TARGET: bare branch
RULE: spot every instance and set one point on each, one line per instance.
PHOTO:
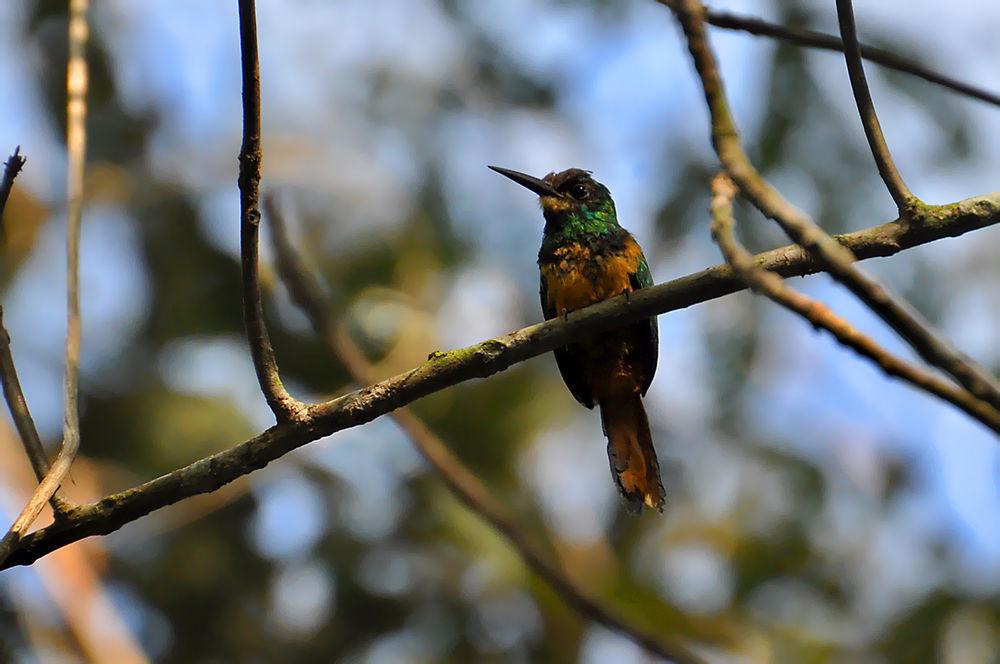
(905, 200)
(821, 317)
(12, 392)
(18, 407)
(837, 259)
(13, 395)
(820, 40)
(282, 404)
(462, 482)
(11, 168)
(76, 148)
(489, 357)
(77, 82)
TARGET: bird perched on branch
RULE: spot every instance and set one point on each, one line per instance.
(587, 257)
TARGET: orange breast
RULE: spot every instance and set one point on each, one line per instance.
(578, 277)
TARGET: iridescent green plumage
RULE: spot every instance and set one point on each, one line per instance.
(586, 257)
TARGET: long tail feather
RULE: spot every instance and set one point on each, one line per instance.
(631, 453)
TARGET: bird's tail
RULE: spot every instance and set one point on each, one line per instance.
(630, 450)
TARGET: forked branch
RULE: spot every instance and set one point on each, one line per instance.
(282, 404)
(900, 193)
(77, 84)
(821, 317)
(13, 395)
(837, 259)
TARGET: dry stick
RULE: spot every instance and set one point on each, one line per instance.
(905, 200)
(282, 404)
(13, 395)
(11, 168)
(77, 81)
(772, 286)
(463, 483)
(484, 359)
(12, 392)
(837, 259)
(18, 407)
(820, 40)
(76, 147)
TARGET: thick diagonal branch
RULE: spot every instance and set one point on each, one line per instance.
(837, 259)
(479, 361)
(462, 482)
(282, 404)
(821, 317)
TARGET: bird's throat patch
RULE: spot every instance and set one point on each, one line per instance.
(557, 205)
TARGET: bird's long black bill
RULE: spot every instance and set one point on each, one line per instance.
(540, 187)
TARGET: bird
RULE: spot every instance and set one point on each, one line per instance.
(586, 257)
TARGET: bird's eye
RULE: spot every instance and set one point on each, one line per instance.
(579, 192)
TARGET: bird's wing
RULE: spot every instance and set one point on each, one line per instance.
(569, 359)
(645, 333)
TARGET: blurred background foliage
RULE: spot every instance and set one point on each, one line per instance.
(816, 510)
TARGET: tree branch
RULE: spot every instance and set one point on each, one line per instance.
(445, 369)
(282, 404)
(18, 407)
(820, 40)
(77, 83)
(76, 148)
(12, 392)
(463, 483)
(11, 168)
(901, 194)
(13, 395)
(821, 317)
(837, 259)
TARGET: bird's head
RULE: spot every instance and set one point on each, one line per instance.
(572, 201)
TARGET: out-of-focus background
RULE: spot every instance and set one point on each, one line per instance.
(816, 510)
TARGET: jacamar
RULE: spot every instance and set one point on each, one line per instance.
(587, 257)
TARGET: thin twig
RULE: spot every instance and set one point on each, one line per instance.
(484, 359)
(76, 147)
(837, 259)
(77, 82)
(822, 317)
(820, 40)
(11, 168)
(463, 483)
(18, 407)
(905, 200)
(282, 404)
(13, 395)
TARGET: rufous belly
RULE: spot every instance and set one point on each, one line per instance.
(580, 279)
